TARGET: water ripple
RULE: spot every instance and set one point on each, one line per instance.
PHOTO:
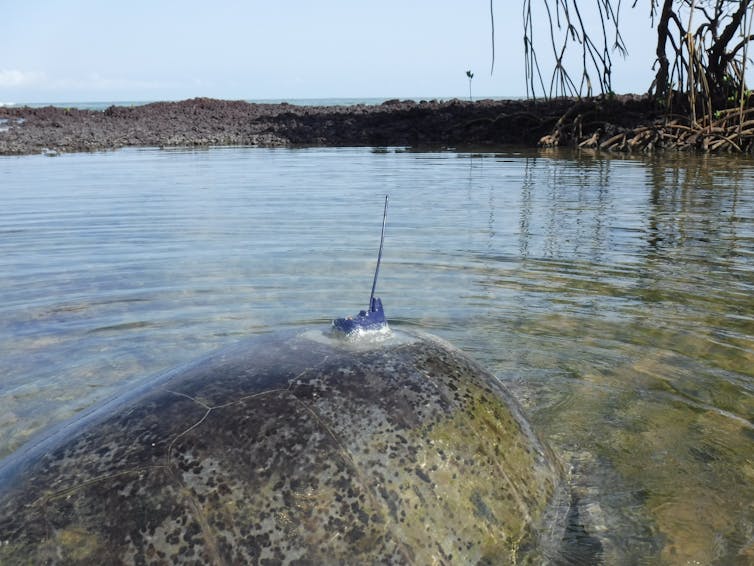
(614, 297)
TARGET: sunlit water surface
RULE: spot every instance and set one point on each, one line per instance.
(614, 297)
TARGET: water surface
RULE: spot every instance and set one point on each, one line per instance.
(614, 297)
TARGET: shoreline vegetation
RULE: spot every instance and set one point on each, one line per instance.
(619, 123)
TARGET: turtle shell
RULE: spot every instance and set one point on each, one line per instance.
(289, 448)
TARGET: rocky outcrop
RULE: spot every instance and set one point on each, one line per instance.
(210, 122)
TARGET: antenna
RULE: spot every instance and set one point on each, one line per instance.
(379, 254)
(372, 319)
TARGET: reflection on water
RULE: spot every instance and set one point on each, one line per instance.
(613, 296)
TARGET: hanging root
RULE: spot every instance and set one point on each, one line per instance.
(609, 128)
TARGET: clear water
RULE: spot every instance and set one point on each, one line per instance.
(614, 297)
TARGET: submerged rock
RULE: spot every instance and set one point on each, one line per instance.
(291, 447)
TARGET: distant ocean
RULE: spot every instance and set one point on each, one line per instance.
(102, 105)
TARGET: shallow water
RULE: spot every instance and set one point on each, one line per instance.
(614, 297)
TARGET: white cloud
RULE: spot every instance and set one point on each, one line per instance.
(10, 78)
(96, 83)
(13, 78)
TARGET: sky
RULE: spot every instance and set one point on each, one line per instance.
(111, 50)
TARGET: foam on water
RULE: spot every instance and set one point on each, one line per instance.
(360, 340)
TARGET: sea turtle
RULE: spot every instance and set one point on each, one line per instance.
(294, 447)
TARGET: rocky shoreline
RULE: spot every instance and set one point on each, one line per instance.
(211, 122)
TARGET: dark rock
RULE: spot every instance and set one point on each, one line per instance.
(206, 121)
